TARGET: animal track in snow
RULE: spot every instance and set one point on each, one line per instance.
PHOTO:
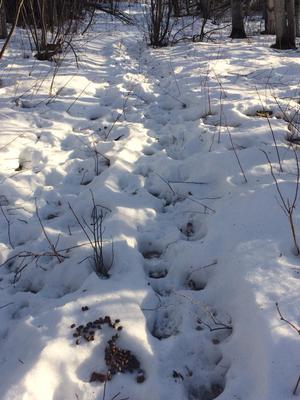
(196, 280)
(149, 150)
(204, 392)
(82, 172)
(197, 365)
(30, 158)
(151, 249)
(194, 228)
(158, 273)
(166, 320)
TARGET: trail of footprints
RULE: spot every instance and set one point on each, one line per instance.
(188, 332)
(195, 329)
(192, 329)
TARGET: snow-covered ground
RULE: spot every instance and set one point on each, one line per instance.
(169, 143)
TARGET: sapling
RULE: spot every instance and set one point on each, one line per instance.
(288, 206)
(94, 233)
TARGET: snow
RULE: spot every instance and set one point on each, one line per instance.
(152, 135)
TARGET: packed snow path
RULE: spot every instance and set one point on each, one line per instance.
(200, 250)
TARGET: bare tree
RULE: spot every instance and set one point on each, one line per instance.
(50, 23)
(159, 28)
(238, 29)
(19, 8)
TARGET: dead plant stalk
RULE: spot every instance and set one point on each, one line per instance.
(288, 206)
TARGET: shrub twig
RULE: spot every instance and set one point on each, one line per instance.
(288, 206)
(94, 234)
(295, 328)
(59, 257)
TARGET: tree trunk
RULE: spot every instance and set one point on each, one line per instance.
(270, 18)
(282, 33)
(290, 10)
(3, 27)
(238, 30)
(297, 17)
(176, 8)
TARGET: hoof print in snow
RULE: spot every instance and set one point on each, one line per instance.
(203, 393)
(166, 324)
(140, 378)
(192, 229)
(236, 147)
(94, 117)
(27, 104)
(158, 273)
(221, 334)
(188, 230)
(150, 250)
(151, 254)
(19, 168)
(51, 216)
(85, 183)
(217, 329)
(264, 113)
(149, 151)
(199, 327)
(195, 284)
(3, 201)
(177, 375)
(293, 136)
(196, 280)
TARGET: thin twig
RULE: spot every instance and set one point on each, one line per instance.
(271, 130)
(8, 226)
(52, 246)
(6, 305)
(282, 318)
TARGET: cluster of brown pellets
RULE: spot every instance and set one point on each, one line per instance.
(88, 331)
(120, 360)
(116, 359)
